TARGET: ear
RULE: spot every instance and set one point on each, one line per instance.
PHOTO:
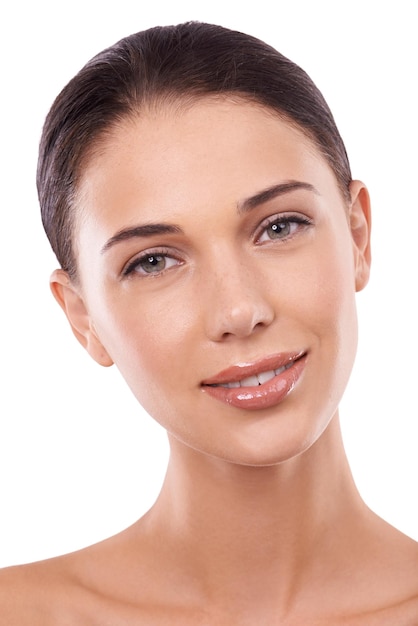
(70, 300)
(360, 226)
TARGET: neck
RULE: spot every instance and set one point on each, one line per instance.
(245, 526)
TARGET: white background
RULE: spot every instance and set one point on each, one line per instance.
(79, 459)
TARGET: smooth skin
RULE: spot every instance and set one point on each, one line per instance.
(253, 252)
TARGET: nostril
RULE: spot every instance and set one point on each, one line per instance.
(241, 321)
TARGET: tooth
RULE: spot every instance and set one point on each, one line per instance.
(258, 379)
(251, 381)
(264, 377)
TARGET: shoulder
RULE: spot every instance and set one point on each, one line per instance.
(15, 587)
(40, 594)
(21, 592)
(396, 579)
(83, 587)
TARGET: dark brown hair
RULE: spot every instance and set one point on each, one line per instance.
(164, 64)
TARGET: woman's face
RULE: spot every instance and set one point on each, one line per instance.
(215, 253)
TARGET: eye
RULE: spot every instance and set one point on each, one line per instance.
(283, 227)
(150, 264)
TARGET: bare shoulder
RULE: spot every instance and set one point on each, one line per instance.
(394, 581)
(62, 591)
(38, 594)
(90, 586)
(15, 587)
(121, 582)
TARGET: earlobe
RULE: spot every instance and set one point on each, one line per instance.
(68, 297)
(360, 226)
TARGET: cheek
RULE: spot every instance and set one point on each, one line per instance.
(151, 340)
(330, 275)
(319, 307)
(320, 283)
(333, 298)
(333, 312)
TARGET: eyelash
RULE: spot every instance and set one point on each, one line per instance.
(156, 255)
(135, 264)
(282, 220)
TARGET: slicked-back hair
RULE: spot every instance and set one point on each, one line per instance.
(165, 64)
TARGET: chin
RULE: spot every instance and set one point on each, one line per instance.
(259, 446)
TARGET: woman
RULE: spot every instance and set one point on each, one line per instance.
(199, 199)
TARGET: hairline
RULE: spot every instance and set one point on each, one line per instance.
(178, 104)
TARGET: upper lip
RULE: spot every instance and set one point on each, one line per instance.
(235, 373)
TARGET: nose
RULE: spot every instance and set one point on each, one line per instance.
(238, 304)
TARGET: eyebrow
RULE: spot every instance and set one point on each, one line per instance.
(150, 230)
(273, 192)
(147, 230)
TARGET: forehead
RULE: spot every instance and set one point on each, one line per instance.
(210, 152)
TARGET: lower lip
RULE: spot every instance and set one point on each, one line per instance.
(263, 396)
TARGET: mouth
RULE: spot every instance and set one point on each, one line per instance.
(260, 384)
(256, 379)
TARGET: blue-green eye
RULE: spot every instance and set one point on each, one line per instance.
(150, 264)
(282, 228)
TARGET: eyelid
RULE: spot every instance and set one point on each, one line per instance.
(129, 268)
(295, 217)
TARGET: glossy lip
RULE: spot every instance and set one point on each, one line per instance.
(262, 396)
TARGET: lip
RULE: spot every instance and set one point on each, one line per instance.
(261, 396)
